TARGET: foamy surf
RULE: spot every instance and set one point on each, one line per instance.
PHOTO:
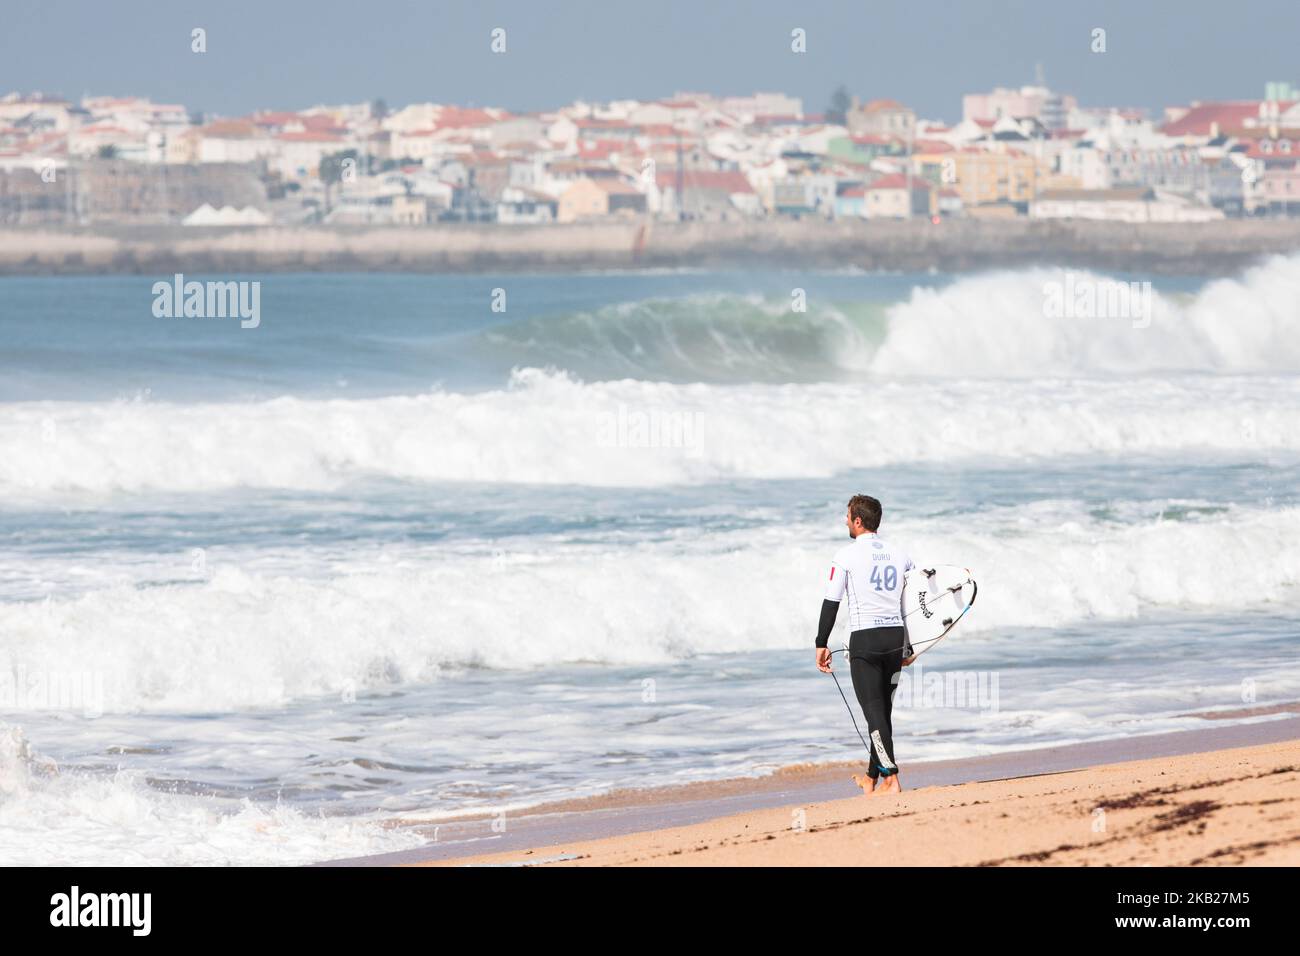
(240, 638)
(55, 816)
(548, 428)
(1007, 325)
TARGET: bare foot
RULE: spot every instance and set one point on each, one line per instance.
(867, 784)
(890, 784)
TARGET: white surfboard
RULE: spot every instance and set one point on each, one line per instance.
(935, 598)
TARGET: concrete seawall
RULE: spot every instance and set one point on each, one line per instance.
(953, 246)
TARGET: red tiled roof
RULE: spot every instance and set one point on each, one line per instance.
(230, 128)
(1198, 120)
(898, 181)
(309, 136)
(455, 117)
(1281, 148)
(877, 106)
(320, 123)
(599, 149)
(730, 181)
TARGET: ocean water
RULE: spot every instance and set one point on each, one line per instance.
(422, 546)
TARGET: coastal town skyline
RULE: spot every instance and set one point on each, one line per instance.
(1027, 151)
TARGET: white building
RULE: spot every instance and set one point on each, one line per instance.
(233, 141)
(300, 154)
(1120, 205)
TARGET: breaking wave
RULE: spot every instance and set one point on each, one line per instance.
(1002, 324)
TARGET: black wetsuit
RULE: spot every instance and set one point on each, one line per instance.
(875, 661)
(876, 656)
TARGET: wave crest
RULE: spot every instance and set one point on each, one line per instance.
(995, 325)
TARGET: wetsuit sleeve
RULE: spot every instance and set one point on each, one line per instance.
(831, 604)
(827, 622)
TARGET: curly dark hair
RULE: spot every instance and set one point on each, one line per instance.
(866, 509)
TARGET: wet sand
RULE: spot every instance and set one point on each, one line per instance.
(1227, 807)
(1222, 794)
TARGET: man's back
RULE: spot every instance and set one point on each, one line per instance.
(869, 571)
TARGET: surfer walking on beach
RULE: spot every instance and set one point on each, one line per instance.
(867, 575)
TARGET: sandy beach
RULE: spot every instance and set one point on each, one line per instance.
(1227, 807)
(1182, 806)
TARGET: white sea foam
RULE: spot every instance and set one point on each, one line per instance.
(547, 428)
(1001, 325)
(247, 639)
(51, 816)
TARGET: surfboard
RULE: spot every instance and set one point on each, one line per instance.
(935, 598)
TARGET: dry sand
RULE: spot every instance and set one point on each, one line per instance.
(1225, 807)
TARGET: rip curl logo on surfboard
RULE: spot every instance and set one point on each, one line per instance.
(920, 599)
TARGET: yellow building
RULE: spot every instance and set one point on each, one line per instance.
(410, 210)
(982, 177)
(582, 200)
(587, 198)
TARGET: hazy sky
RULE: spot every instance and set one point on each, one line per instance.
(291, 54)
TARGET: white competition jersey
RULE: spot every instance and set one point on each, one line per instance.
(870, 571)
